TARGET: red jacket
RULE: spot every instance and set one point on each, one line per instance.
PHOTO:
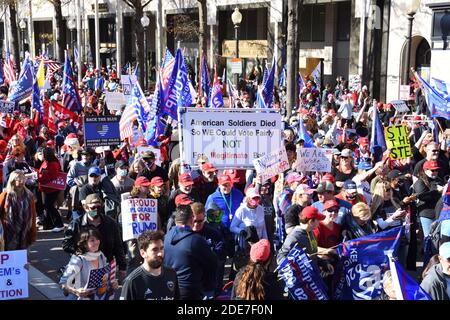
(48, 172)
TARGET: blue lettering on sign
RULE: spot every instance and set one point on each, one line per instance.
(9, 271)
(139, 227)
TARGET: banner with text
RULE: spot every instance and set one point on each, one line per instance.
(115, 100)
(314, 159)
(230, 139)
(101, 131)
(13, 275)
(398, 142)
(272, 164)
(138, 215)
(8, 107)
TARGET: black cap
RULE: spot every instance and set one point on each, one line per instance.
(120, 164)
(394, 174)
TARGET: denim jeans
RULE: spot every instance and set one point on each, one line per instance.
(426, 225)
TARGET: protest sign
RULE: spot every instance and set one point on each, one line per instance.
(272, 164)
(99, 283)
(157, 152)
(13, 275)
(7, 107)
(302, 278)
(115, 100)
(229, 138)
(127, 84)
(138, 215)
(398, 142)
(59, 183)
(101, 131)
(363, 263)
(314, 159)
(400, 106)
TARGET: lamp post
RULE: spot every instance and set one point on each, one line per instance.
(22, 26)
(236, 17)
(71, 25)
(413, 7)
(145, 21)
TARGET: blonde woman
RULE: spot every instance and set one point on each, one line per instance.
(17, 213)
(137, 166)
(358, 223)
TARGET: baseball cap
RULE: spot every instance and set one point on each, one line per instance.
(394, 174)
(350, 185)
(336, 152)
(225, 179)
(157, 181)
(328, 177)
(185, 179)
(325, 186)
(148, 155)
(141, 182)
(363, 141)
(260, 251)
(364, 165)
(312, 213)
(293, 177)
(346, 153)
(93, 198)
(208, 167)
(252, 193)
(304, 189)
(183, 200)
(431, 165)
(330, 204)
(319, 136)
(444, 250)
(120, 164)
(94, 171)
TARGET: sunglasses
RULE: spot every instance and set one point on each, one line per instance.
(434, 170)
(344, 157)
(333, 210)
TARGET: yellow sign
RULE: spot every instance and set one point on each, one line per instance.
(398, 142)
(247, 48)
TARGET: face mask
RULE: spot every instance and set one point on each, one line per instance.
(93, 213)
(122, 172)
(351, 197)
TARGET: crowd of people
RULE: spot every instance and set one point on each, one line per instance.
(209, 219)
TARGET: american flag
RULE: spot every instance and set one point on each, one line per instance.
(71, 100)
(96, 277)
(10, 74)
(112, 273)
(51, 65)
(126, 122)
(167, 68)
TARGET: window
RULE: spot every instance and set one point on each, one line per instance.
(312, 23)
(441, 24)
(344, 15)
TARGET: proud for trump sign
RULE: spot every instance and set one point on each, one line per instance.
(138, 215)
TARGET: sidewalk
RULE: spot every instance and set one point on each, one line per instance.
(42, 287)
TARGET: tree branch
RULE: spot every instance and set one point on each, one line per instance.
(146, 4)
(130, 4)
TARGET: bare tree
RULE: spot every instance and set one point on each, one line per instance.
(14, 35)
(291, 56)
(139, 32)
(202, 26)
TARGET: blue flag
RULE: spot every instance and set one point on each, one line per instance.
(265, 91)
(302, 134)
(300, 83)
(302, 278)
(435, 131)
(406, 288)
(377, 141)
(136, 71)
(216, 99)
(141, 105)
(441, 86)
(438, 105)
(363, 263)
(2, 76)
(282, 78)
(36, 100)
(205, 83)
(125, 68)
(71, 100)
(24, 85)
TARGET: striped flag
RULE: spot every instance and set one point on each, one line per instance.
(216, 99)
(265, 91)
(10, 73)
(2, 77)
(233, 94)
(317, 75)
(71, 100)
(141, 105)
(166, 68)
(205, 82)
(126, 122)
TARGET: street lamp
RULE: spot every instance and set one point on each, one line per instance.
(236, 17)
(412, 8)
(71, 25)
(22, 26)
(145, 21)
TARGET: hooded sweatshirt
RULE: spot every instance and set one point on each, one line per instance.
(190, 256)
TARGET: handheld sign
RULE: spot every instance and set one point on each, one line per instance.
(398, 142)
(13, 275)
(314, 159)
(115, 100)
(7, 107)
(59, 183)
(157, 152)
(138, 215)
(101, 131)
(272, 164)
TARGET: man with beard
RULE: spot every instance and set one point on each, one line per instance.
(206, 183)
(151, 280)
(185, 186)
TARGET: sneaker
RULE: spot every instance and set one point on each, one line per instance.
(56, 229)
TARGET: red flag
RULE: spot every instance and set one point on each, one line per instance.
(60, 112)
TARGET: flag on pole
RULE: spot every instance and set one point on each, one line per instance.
(76, 55)
(10, 73)
(405, 287)
(40, 75)
(438, 105)
(127, 118)
(216, 99)
(140, 105)
(317, 75)
(224, 79)
(265, 92)
(167, 68)
(377, 141)
(2, 76)
(205, 82)
(282, 78)
(233, 94)
(300, 83)
(24, 85)
(302, 134)
(71, 100)
(36, 100)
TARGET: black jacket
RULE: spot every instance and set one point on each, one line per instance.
(435, 283)
(106, 191)
(111, 243)
(428, 197)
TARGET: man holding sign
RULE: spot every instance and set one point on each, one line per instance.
(398, 142)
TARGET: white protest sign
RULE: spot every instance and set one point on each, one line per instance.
(272, 164)
(13, 275)
(138, 215)
(404, 92)
(400, 106)
(314, 159)
(115, 100)
(236, 65)
(7, 107)
(157, 152)
(229, 139)
(127, 84)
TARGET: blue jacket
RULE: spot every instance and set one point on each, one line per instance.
(218, 199)
(190, 255)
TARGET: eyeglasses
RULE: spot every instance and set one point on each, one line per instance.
(333, 210)
(435, 151)
(434, 170)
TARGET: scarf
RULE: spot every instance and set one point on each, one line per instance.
(92, 256)
(18, 222)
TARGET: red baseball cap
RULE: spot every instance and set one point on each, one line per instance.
(142, 182)
(183, 200)
(431, 165)
(363, 141)
(225, 179)
(208, 167)
(185, 179)
(312, 213)
(330, 204)
(61, 124)
(328, 177)
(157, 181)
(141, 143)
